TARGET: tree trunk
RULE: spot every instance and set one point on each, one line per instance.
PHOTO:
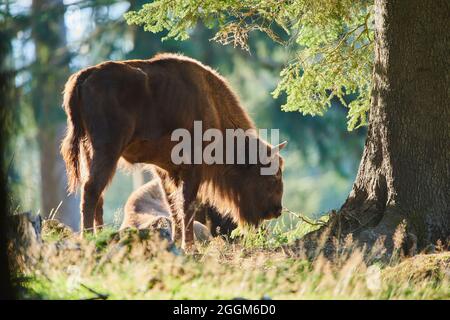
(404, 174)
(7, 290)
(50, 73)
(54, 180)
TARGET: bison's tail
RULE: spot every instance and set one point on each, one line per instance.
(70, 147)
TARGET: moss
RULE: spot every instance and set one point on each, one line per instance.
(105, 238)
(420, 267)
(53, 230)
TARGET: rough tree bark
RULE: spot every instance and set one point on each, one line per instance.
(404, 174)
(50, 73)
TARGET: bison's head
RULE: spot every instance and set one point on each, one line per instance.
(249, 192)
(260, 188)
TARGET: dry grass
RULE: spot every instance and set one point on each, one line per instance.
(139, 265)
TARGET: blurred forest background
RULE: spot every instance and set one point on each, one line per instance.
(44, 41)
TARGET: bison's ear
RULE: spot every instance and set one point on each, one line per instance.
(279, 147)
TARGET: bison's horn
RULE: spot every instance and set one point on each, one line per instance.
(279, 147)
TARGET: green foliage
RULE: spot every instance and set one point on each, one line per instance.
(271, 234)
(331, 43)
(103, 238)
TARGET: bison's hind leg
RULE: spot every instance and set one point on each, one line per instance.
(100, 169)
(177, 227)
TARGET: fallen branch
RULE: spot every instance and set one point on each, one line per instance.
(98, 295)
(304, 219)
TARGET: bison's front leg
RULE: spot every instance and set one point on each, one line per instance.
(188, 239)
(190, 189)
(98, 218)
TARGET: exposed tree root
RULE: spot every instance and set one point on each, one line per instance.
(367, 227)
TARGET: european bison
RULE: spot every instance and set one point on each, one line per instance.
(148, 203)
(129, 110)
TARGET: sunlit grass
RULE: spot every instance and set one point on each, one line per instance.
(256, 264)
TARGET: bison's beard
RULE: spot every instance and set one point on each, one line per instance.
(231, 199)
(249, 212)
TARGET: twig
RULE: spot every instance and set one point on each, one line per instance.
(304, 219)
(98, 295)
(53, 212)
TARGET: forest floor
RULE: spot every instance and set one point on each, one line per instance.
(263, 264)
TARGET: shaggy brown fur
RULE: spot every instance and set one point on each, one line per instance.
(129, 109)
(147, 204)
(205, 213)
(216, 223)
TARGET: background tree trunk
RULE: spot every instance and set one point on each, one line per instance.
(7, 290)
(50, 72)
(404, 173)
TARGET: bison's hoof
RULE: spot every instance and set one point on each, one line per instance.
(86, 233)
(189, 248)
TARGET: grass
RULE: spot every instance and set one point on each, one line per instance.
(263, 263)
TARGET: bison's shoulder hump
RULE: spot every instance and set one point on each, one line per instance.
(176, 58)
(114, 73)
